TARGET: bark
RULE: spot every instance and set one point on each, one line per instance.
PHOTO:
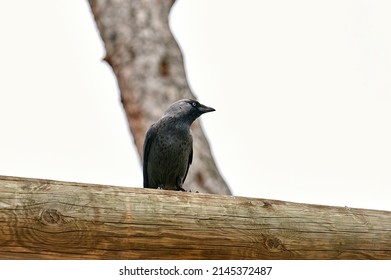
(149, 68)
(42, 219)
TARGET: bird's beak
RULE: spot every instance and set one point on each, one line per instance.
(205, 109)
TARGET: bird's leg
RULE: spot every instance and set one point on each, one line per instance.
(179, 188)
(179, 184)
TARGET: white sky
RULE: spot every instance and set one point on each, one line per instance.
(302, 91)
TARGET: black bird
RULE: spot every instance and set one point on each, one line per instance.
(168, 146)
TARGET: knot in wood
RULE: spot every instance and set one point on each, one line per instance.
(51, 216)
(164, 67)
(274, 244)
(267, 204)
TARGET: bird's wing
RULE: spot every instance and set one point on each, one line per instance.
(188, 163)
(149, 138)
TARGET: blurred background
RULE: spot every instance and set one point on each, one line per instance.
(302, 91)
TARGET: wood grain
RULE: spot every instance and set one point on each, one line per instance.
(43, 219)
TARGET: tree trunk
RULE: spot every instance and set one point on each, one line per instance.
(43, 219)
(149, 68)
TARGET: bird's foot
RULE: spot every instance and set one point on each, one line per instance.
(181, 189)
(192, 191)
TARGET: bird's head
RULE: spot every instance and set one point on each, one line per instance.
(188, 110)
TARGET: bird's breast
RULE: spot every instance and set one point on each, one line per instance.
(169, 155)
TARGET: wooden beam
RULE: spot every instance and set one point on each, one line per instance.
(44, 219)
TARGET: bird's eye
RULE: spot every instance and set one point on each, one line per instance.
(194, 104)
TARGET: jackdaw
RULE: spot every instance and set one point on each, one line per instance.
(168, 146)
